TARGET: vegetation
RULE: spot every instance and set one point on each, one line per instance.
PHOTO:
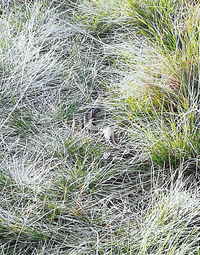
(100, 127)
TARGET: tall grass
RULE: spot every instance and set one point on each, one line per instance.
(172, 27)
(101, 16)
(99, 128)
(159, 20)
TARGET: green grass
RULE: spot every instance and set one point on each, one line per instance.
(174, 27)
(125, 181)
(100, 17)
(158, 20)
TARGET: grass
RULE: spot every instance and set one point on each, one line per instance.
(180, 95)
(158, 20)
(99, 122)
(101, 16)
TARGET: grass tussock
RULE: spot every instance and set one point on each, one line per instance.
(101, 16)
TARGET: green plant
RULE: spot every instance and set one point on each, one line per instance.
(184, 61)
(65, 188)
(21, 121)
(102, 15)
(173, 27)
(158, 20)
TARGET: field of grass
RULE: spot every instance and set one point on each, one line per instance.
(99, 127)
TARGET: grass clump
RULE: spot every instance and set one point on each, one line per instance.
(100, 16)
(168, 225)
(158, 20)
(174, 142)
(173, 27)
(160, 96)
